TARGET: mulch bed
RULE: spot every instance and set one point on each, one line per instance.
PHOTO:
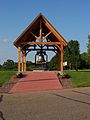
(5, 88)
(65, 82)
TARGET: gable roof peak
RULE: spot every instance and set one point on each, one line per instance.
(40, 15)
(35, 23)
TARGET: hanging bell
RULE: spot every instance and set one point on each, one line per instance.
(40, 58)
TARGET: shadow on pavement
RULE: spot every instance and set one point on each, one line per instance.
(70, 99)
(80, 92)
(46, 79)
(1, 97)
(1, 116)
(1, 113)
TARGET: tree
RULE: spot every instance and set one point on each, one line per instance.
(88, 50)
(29, 65)
(72, 54)
(83, 61)
(9, 64)
(67, 53)
(15, 65)
(53, 62)
(0, 67)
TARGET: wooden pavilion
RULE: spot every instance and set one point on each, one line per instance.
(42, 34)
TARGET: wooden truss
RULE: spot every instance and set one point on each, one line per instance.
(42, 34)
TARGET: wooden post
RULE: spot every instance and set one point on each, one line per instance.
(22, 61)
(61, 58)
(19, 51)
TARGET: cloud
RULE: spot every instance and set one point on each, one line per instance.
(5, 40)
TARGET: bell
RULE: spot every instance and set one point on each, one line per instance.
(40, 58)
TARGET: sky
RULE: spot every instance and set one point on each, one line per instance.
(71, 18)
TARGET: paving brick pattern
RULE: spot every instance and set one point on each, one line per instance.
(37, 81)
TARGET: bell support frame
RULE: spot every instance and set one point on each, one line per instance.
(42, 34)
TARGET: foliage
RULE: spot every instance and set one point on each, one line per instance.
(83, 61)
(54, 63)
(29, 65)
(0, 67)
(9, 64)
(79, 78)
(88, 50)
(72, 54)
(15, 66)
(73, 57)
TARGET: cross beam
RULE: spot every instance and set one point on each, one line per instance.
(46, 43)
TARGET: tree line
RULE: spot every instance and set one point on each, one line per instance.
(11, 65)
(75, 60)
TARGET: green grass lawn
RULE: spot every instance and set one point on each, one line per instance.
(80, 78)
(6, 75)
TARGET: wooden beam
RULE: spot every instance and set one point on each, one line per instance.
(42, 43)
(22, 61)
(58, 36)
(59, 48)
(60, 59)
(34, 23)
(19, 57)
(47, 35)
(40, 30)
(34, 35)
(24, 58)
(40, 49)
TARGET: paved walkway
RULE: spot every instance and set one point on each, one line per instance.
(37, 81)
(65, 104)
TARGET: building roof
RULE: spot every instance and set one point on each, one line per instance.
(34, 28)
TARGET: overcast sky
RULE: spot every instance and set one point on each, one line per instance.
(70, 17)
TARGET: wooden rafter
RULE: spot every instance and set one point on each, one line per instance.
(40, 30)
(47, 35)
(40, 19)
(34, 35)
(55, 33)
